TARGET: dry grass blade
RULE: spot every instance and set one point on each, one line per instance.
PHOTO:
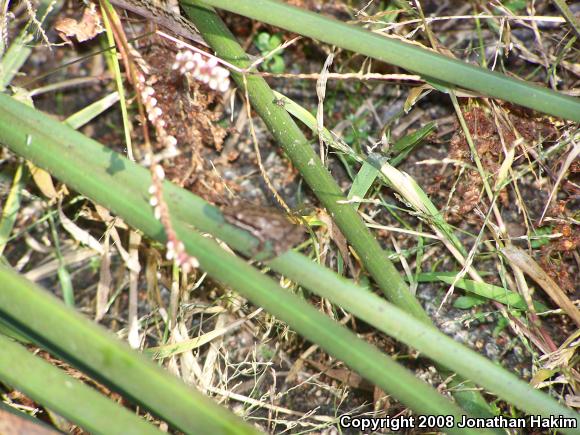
(523, 261)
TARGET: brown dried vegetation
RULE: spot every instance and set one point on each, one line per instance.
(491, 137)
(191, 111)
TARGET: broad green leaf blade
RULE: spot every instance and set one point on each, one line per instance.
(403, 147)
(90, 112)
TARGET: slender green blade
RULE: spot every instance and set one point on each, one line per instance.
(11, 206)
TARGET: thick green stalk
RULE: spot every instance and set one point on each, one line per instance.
(49, 323)
(427, 63)
(122, 186)
(298, 149)
(447, 352)
(291, 139)
(42, 316)
(60, 392)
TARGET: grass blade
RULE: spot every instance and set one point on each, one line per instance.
(44, 319)
(123, 186)
(427, 63)
(56, 390)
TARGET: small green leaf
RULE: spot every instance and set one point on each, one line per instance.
(276, 64)
(262, 41)
(481, 289)
(467, 302)
(274, 42)
(502, 324)
(538, 242)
